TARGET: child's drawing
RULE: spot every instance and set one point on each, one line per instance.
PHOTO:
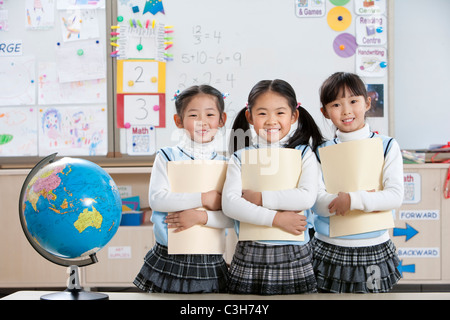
(81, 131)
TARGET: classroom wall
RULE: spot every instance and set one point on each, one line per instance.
(422, 73)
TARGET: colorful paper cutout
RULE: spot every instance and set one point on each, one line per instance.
(153, 6)
(339, 18)
(345, 45)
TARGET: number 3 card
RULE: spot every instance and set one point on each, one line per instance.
(141, 109)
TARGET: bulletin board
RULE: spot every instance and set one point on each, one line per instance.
(171, 45)
(53, 75)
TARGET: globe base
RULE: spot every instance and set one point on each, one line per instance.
(75, 294)
(74, 290)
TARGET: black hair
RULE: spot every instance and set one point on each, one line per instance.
(307, 133)
(334, 87)
(183, 99)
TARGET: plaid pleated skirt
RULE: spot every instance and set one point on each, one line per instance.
(262, 269)
(182, 273)
(370, 269)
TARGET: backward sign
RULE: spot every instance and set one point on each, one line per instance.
(418, 252)
(10, 48)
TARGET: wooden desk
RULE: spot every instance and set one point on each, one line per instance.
(35, 295)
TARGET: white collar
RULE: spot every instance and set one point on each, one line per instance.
(262, 143)
(199, 151)
(360, 134)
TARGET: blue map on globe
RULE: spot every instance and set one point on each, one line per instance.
(72, 208)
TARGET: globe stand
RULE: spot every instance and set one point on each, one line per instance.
(74, 290)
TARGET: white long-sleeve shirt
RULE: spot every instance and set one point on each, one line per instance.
(391, 197)
(162, 200)
(299, 199)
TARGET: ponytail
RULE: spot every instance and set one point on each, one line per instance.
(240, 133)
(307, 132)
(307, 129)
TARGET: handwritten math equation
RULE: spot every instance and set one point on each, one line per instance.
(208, 50)
(186, 80)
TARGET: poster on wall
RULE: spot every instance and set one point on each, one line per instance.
(371, 62)
(73, 131)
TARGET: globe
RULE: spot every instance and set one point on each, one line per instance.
(69, 210)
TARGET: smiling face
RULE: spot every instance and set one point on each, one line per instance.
(347, 111)
(201, 118)
(271, 116)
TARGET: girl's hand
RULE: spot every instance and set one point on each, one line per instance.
(183, 220)
(290, 221)
(252, 196)
(340, 205)
(212, 200)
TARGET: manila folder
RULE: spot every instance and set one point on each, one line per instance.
(269, 169)
(352, 166)
(197, 176)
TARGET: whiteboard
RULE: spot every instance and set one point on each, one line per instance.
(233, 44)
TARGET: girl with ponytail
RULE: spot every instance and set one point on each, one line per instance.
(273, 267)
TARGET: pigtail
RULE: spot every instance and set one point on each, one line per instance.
(240, 134)
(307, 132)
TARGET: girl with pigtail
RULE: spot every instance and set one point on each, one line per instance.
(273, 267)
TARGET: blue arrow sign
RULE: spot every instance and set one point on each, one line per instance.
(409, 232)
(411, 268)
